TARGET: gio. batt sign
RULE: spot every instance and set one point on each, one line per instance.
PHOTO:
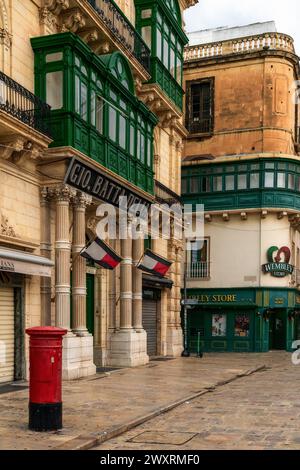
(278, 262)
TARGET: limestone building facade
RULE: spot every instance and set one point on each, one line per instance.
(241, 160)
(88, 89)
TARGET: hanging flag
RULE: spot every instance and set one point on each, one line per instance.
(99, 252)
(154, 264)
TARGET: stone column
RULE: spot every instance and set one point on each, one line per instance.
(62, 195)
(126, 281)
(112, 295)
(137, 284)
(80, 203)
(128, 347)
(46, 252)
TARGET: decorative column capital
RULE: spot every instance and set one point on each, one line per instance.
(62, 192)
(82, 200)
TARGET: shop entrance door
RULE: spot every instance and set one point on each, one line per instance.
(277, 330)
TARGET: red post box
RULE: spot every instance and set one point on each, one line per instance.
(45, 383)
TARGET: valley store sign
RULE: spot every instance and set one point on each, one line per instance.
(278, 262)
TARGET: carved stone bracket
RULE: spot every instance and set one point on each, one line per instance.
(9, 146)
(47, 19)
(73, 20)
(101, 48)
(29, 151)
(56, 6)
(89, 35)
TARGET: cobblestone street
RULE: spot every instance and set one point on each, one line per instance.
(261, 411)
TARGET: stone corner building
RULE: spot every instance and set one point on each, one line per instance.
(241, 160)
(111, 75)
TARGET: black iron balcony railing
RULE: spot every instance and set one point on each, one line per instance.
(24, 105)
(164, 195)
(123, 30)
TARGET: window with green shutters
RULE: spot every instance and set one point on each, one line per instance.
(94, 107)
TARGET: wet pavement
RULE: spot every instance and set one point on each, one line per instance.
(261, 409)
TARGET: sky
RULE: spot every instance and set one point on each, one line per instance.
(214, 13)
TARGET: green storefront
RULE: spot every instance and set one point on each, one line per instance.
(242, 320)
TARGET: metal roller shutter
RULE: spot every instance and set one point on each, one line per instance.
(150, 325)
(7, 341)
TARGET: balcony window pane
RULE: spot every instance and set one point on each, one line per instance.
(172, 62)
(83, 101)
(158, 44)
(179, 70)
(93, 108)
(229, 183)
(149, 155)
(77, 94)
(146, 13)
(280, 180)
(194, 184)
(242, 181)
(255, 166)
(146, 35)
(269, 180)
(184, 186)
(143, 148)
(217, 183)
(229, 169)
(242, 168)
(205, 184)
(270, 166)
(291, 181)
(122, 132)
(166, 53)
(139, 145)
(54, 57)
(254, 180)
(112, 123)
(99, 114)
(132, 140)
(54, 89)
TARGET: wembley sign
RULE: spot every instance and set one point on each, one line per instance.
(278, 262)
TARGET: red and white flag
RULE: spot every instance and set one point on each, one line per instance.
(154, 264)
(99, 252)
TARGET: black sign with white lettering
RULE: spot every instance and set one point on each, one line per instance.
(91, 181)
